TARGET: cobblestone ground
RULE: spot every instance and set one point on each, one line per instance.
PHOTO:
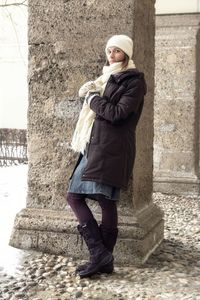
(171, 273)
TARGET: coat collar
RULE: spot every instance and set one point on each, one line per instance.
(118, 77)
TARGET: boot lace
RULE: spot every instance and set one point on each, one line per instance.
(78, 238)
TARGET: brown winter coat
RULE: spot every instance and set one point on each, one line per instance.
(111, 151)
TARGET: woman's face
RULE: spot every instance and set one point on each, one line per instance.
(115, 54)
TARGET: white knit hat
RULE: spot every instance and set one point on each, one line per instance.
(123, 42)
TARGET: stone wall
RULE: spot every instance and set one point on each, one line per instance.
(177, 78)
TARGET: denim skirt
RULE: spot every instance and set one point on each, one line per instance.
(91, 188)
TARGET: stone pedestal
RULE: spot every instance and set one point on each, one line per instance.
(177, 77)
(66, 48)
(55, 232)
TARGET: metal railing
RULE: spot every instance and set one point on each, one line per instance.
(13, 146)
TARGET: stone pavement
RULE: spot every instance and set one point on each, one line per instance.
(171, 273)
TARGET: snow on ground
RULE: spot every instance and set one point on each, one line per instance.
(13, 188)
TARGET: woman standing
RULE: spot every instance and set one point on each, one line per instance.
(105, 138)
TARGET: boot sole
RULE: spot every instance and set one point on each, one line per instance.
(98, 268)
(108, 268)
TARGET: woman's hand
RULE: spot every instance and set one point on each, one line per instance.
(89, 96)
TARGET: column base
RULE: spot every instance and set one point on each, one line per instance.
(55, 232)
(177, 186)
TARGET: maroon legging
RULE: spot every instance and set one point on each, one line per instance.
(83, 213)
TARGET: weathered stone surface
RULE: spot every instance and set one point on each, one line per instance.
(176, 142)
(55, 232)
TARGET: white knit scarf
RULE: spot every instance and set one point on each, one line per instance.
(86, 118)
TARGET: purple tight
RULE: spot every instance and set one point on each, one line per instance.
(83, 213)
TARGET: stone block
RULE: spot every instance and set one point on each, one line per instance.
(54, 231)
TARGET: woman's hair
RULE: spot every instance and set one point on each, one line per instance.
(124, 62)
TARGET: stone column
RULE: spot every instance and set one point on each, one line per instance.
(177, 77)
(66, 48)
